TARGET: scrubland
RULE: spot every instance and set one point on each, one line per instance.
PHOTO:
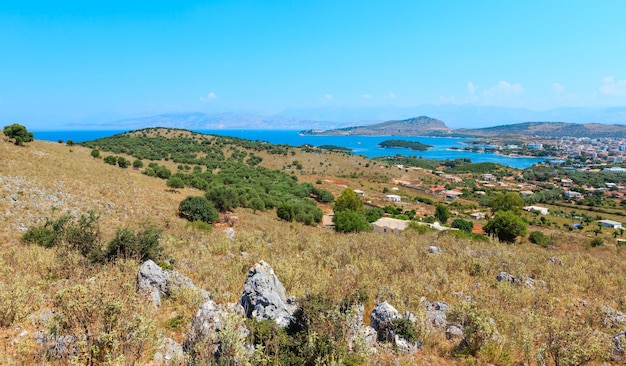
(562, 322)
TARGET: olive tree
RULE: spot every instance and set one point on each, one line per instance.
(18, 133)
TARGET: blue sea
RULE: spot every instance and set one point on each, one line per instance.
(360, 145)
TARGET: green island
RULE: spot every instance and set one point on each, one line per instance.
(413, 145)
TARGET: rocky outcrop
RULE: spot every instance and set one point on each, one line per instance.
(436, 312)
(612, 318)
(619, 346)
(56, 346)
(208, 327)
(382, 318)
(264, 296)
(169, 353)
(157, 283)
(358, 335)
(528, 282)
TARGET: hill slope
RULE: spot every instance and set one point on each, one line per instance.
(419, 126)
(547, 129)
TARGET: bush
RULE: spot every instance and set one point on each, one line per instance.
(95, 153)
(122, 162)
(69, 142)
(463, 225)
(137, 164)
(350, 221)
(110, 159)
(141, 245)
(285, 212)
(198, 208)
(18, 133)
(442, 213)
(596, 242)
(175, 182)
(539, 238)
(506, 225)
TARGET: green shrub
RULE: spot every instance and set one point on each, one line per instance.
(141, 245)
(285, 212)
(95, 153)
(198, 208)
(596, 242)
(463, 225)
(175, 182)
(110, 159)
(137, 164)
(506, 225)
(122, 162)
(539, 238)
(350, 221)
(18, 133)
(405, 328)
(199, 225)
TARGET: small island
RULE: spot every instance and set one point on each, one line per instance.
(335, 148)
(413, 145)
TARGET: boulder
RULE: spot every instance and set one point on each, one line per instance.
(207, 324)
(619, 346)
(380, 320)
(434, 250)
(56, 346)
(555, 260)
(612, 318)
(454, 332)
(158, 283)
(358, 335)
(169, 353)
(436, 312)
(528, 282)
(264, 296)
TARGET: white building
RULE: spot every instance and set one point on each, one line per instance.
(541, 210)
(610, 223)
(394, 198)
(388, 225)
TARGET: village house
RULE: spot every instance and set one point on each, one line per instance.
(489, 177)
(538, 209)
(394, 198)
(359, 192)
(388, 225)
(610, 223)
(477, 216)
(572, 194)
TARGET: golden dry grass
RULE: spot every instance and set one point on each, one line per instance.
(308, 260)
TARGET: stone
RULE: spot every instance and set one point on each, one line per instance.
(358, 335)
(528, 282)
(436, 312)
(619, 346)
(612, 318)
(555, 260)
(56, 346)
(454, 332)
(506, 277)
(152, 280)
(380, 320)
(169, 353)
(434, 249)
(264, 296)
(158, 283)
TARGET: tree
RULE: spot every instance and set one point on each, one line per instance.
(137, 164)
(69, 142)
(122, 162)
(95, 153)
(510, 201)
(442, 213)
(348, 200)
(110, 159)
(175, 182)
(198, 208)
(350, 221)
(506, 226)
(18, 133)
(463, 225)
(285, 212)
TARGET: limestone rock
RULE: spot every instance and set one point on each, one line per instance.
(56, 346)
(612, 318)
(158, 283)
(619, 346)
(380, 320)
(434, 250)
(169, 353)
(436, 312)
(264, 296)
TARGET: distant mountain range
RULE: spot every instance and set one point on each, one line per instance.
(426, 126)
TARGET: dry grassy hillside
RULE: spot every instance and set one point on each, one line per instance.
(564, 321)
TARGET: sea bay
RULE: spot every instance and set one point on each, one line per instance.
(361, 145)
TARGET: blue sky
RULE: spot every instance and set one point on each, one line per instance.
(64, 60)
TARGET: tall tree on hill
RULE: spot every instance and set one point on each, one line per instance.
(18, 133)
(510, 201)
(349, 215)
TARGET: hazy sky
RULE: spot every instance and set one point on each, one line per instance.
(70, 59)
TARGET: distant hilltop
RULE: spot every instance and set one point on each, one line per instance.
(547, 129)
(419, 126)
(426, 126)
